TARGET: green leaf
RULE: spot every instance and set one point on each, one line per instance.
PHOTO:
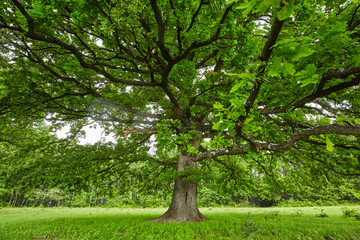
(288, 68)
(217, 126)
(274, 69)
(237, 86)
(329, 144)
(309, 69)
(287, 10)
(191, 149)
(237, 102)
(301, 52)
(218, 105)
(264, 5)
(295, 48)
(247, 7)
(308, 75)
(307, 81)
(280, 65)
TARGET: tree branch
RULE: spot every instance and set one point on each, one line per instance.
(161, 30)
(202, 2)
(214, 38)
(352, 27)
(207, 58)
(258, 146)
(94, 93)
(178, 28)
(79, 56)
(317, 94)
(353, 17)
(336, 145)
(108, 168)
(274, 33)
(264, 56)
(236, 150)
(29, 20)
(302, 134)
(339, 74)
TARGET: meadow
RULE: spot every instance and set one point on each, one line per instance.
(224, 223)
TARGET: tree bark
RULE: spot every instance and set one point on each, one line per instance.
(183, 207)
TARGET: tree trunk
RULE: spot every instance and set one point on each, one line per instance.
(183, 207)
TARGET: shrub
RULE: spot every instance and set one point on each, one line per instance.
(298, 212)
(357, 215)
(250, 226)
(348, 212)
(322, 214)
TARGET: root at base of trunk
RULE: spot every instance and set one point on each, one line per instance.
(171, 217)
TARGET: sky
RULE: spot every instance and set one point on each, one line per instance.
(93, 135)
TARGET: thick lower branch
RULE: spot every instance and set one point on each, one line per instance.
(258, 145)
(302, 134)
(336, 145)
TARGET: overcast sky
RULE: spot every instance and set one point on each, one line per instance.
(93, 135)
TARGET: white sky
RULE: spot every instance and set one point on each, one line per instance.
(93, 135)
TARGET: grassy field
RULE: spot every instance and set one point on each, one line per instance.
(224, 223)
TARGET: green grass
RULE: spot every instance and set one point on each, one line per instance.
(224, 223)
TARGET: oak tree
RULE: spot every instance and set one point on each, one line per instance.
(249, 77)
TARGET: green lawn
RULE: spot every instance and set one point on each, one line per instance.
(224, 223)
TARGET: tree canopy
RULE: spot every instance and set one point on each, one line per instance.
(263, 80)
